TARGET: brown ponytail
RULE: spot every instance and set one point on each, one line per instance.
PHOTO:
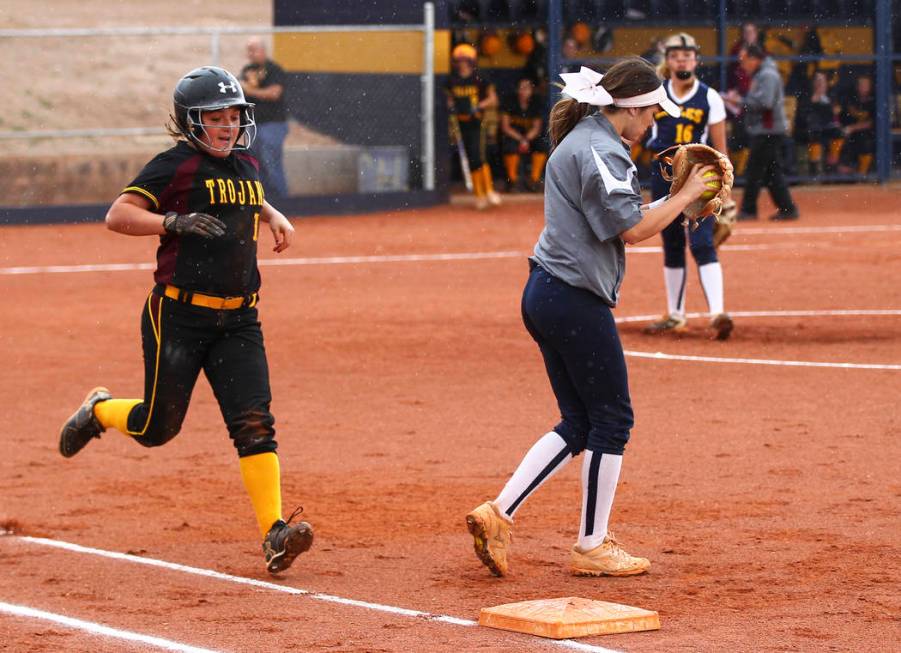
(564, 116)
(626, 78)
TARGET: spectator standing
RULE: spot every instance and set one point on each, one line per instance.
(763, 112)
(263, 82)
(740, 81)
(738, 78)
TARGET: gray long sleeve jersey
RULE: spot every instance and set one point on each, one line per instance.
(765, 102)
(591, 196)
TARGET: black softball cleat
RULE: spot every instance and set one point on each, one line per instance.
(285, 541)
(82, 427)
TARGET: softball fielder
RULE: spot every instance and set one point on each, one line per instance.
(204, 200)
(702, 117)
(592, 208)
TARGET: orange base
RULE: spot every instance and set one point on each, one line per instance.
(567, 617)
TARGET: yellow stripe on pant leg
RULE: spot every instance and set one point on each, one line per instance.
(262, 480)
(114, 413)
(157, 326)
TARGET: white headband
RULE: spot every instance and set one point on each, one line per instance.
(584, 86)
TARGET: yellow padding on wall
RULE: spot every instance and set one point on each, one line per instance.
(393, 52)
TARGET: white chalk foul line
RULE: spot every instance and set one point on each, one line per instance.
(760, 361)
(287, 589)
(349, 260)
(100, 629)
(799, 313)
(321, 260)
(850, 229)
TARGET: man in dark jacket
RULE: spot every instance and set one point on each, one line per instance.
(763, 109)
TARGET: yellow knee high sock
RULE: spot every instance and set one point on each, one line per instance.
(815, 152)
(740, 160)
(113, 413)
(511, 163)
(486, 178)
(478, 183)
(262, 479)
(835, 150)
(538, 159)
(863, 163)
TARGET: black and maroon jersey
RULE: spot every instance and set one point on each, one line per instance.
(466, 93)
(186, 180)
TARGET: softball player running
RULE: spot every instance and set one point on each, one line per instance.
(592, 208)
(204, 199)
(702, 117)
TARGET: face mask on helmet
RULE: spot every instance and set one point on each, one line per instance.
(196, 129)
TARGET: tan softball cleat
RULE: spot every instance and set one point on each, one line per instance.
(666, 324)
(491, 535)
(607, 559)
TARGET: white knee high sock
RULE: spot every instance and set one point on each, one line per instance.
(600, 474)
(674, 279)
(546, 457)
(711, 276)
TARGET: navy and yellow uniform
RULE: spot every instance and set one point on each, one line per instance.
(859, 145)
(701, 107)
(817, 125)
(465, 94)
(181, 338)
(522, 120)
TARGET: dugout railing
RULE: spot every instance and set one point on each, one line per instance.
(868, 38)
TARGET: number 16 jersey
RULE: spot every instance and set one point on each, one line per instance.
(701, 107)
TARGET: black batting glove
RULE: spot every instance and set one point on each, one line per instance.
(198, 224)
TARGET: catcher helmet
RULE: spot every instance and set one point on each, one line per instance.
(209, 89)
(681, 41)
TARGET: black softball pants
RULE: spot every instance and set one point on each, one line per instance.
(765, 169)
(471, 133)
(583, 356)
(179, 341)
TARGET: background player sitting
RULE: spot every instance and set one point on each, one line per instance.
(858, 112)
(522, 127)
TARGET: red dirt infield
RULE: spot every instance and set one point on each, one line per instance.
(405, 392)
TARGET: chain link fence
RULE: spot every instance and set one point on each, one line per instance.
(93, 104)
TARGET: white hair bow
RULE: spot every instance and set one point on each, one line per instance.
(583, 86)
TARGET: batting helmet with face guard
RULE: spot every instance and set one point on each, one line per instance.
(209, 89)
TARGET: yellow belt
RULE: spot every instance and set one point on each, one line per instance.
(209, 301)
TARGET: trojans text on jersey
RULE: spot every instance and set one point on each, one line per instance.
(241, 191)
